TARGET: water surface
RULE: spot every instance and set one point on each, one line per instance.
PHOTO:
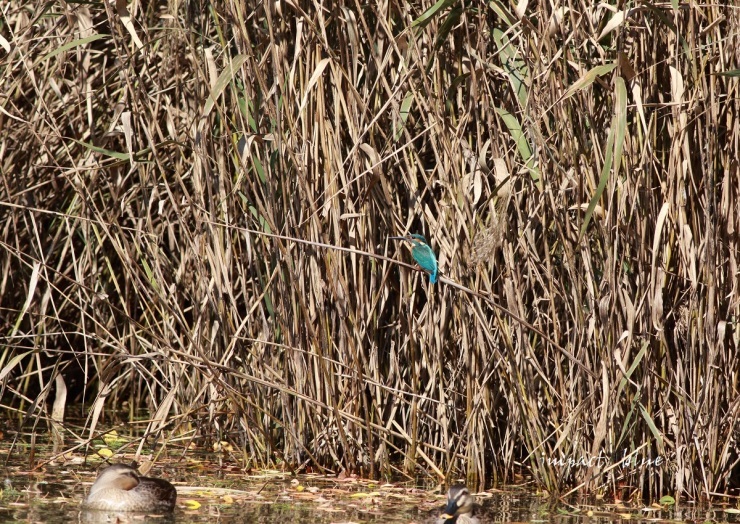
(209, 494)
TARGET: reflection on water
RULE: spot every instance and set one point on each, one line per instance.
(100, 517)
(31, 500)
(257, 513)
(324, 501)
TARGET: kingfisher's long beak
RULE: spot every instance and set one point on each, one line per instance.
(398, 238)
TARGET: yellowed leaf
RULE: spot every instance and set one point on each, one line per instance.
(365, 495)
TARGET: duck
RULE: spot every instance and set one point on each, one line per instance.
(459, 509)
(121, 488)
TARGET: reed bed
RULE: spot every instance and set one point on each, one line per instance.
(197, 197)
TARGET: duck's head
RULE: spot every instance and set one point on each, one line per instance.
(117, 476)
(459, 502)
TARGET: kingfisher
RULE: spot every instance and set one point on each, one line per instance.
(422, 253)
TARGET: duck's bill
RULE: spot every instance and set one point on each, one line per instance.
(446, 516)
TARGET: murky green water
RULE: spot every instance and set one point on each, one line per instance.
(54, 496)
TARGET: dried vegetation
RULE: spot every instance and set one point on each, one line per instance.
(175, 179)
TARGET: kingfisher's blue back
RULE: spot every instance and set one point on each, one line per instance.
(423, 255)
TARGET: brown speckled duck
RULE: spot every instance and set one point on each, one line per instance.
(459, 508)
(120, 488)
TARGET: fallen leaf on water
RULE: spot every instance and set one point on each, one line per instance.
(364, 495)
